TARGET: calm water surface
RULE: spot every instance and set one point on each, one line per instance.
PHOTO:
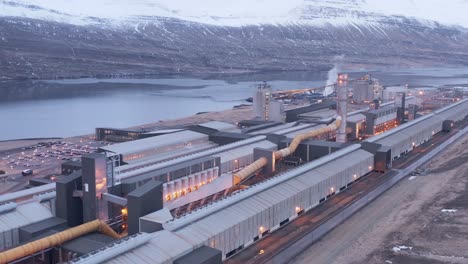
(61, 108)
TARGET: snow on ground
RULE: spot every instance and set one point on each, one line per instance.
(234, 13)
(448, 210)
(412, 178)
(442, 11)
(400, 248)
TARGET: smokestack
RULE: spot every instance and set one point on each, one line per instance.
(341, 106)
(403, 106)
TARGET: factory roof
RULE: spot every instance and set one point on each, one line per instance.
(244, 208)
(410, 131)
(298, 127)
(26, 193)
(202, 213)
(190, 157)
(242, 151)
(154, 142)
(164, 247)
(322, 113)
(311, 108)
(272, 129)
(416, 125)
(322, 143)
(161, 216)
(304, 130)
(400, 128)
(202, 254)
(260, 127)
(444, 114)
(87, 243)
(163, 131)
(356, 118)
(195, 228)
(220, 126)
(171, 154)
(22, 215)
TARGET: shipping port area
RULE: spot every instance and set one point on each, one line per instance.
(241, 186)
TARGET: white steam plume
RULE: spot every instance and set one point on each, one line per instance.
(333, 75)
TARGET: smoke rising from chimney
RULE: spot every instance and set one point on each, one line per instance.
(333, 75)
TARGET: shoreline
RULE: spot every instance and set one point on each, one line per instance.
(29, 139)
(232, 116)
(208, 75)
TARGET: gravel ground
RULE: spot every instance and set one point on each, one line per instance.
(407, 224)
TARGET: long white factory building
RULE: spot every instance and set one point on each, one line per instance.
(242, 218)
(197, 163)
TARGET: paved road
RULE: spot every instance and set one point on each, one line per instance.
(17, 181)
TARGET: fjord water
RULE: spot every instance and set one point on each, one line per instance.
(62, 108)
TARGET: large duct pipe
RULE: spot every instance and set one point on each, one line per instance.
(262, 162)
(299, 138)
(249, 170)
(56, 239)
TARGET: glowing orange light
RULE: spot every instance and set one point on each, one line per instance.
(124, 211)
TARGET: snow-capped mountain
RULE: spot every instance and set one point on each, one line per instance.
(56, 38)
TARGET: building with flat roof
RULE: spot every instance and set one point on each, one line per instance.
(138, 149)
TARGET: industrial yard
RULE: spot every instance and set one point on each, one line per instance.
(245, 132)
(255, 184)
(421, 220)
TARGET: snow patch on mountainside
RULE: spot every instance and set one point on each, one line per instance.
(450, 12)
(234, 13)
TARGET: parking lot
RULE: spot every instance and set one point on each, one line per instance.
(44, 158)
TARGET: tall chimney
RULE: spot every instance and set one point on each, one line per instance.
(341, 106)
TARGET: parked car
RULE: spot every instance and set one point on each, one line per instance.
(27, 172)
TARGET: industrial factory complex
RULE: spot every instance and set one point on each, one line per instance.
(206, 192)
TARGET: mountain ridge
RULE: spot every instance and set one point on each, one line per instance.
(49, 49)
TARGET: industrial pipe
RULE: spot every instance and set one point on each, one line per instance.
(262, 162)
(301, 137)
(56, 239)
(249, 170)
